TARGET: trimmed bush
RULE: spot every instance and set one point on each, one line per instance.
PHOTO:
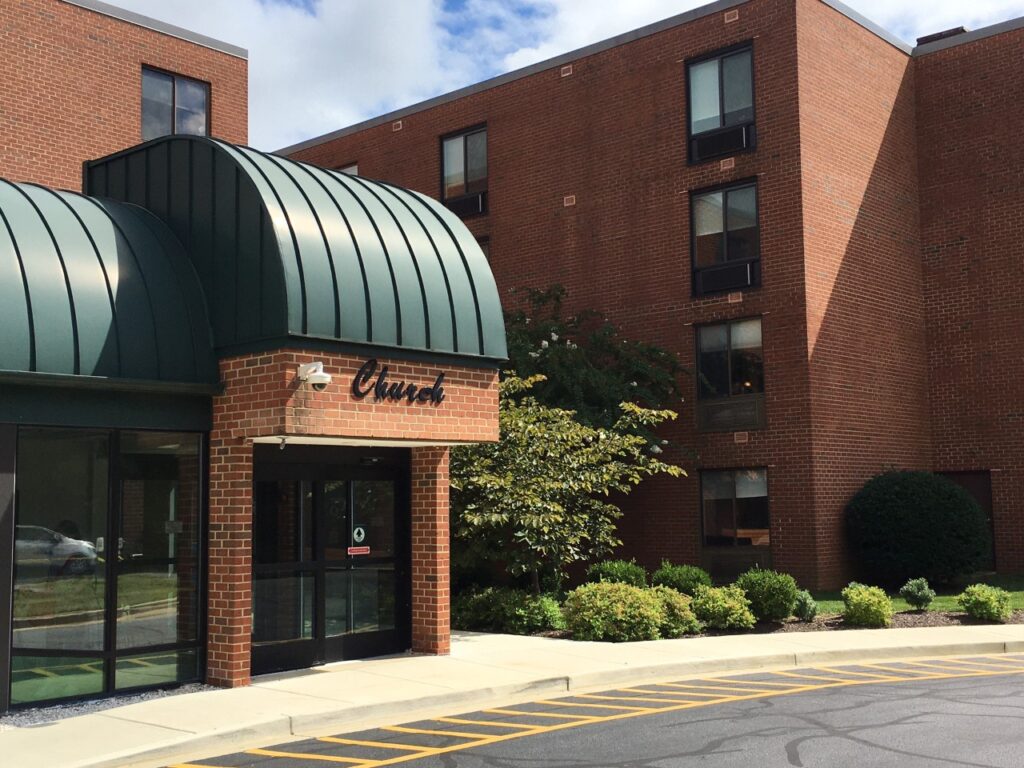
(865, 606)
(985, 602)
(772, 595)
(682, 578)
(509, 611)
(618, 572)
(679, 617)
(723, 608)
(902, 525)
(918, 594)
(805, 608)
(613, 611)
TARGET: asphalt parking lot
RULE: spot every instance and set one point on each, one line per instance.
(940, 712)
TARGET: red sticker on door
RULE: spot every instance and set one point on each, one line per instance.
(358, 551)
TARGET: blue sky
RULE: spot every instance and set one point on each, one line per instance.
(319, 65)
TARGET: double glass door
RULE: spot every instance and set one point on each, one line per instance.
(330, 564)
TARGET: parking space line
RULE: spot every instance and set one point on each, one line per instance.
(377, 744)
(723, 688)
(654, 699)
(597, 706)
(752, 682)
(953, 671)
(308, 756)
(983, 664)
(799, 675)
(872, 675)
(429, 732)
(540, 714)
(673, 692)
(490, 723)
(904, 673)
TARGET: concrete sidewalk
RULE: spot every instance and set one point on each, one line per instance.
(482, 671)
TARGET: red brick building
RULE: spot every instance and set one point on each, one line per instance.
(228, 381)
(822, 221)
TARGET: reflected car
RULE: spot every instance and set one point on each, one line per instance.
(40, 551)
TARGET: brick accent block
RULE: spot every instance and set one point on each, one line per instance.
(73, 87)
(262, 397)
(431, 622)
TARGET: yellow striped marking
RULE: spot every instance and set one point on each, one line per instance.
(831, 671)
(479, 740)
(491, 723)
(722, 688)
(745, 682)
(943, 667)
(307, 756)
(428, 732)
(676, 696)
(655, 699)
(983, 664)
(380, 744)
(904, 672)
(540, 714)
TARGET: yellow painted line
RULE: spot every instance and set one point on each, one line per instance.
(193, 765)
(830, 671)
(671, 693)
(307, 756)
(540, 714)
(43, 672)
(906, 673)
(655, 699)
(723, 688)
(985, 664)
(953, 671)
(638, 712)
(1013, 662)
(380, 744)
(597, 706)
(799, 675)
(746, 682)
(493, 723)
(428, 732)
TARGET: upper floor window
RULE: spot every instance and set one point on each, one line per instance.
(735, 508)
(173, 104)
(464, 169)
(730, 376)
(721, 104)
(352, 169)
(726, 244)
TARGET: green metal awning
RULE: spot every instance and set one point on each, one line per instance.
(291, 252)
(95, 292)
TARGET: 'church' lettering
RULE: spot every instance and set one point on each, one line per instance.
(383, 389)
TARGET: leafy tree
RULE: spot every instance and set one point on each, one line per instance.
(538, 499)
(588, 367)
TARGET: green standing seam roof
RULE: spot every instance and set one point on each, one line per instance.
(96, 288)
(286, 250)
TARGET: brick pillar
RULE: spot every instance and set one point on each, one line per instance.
(431, 623)
(230, 575)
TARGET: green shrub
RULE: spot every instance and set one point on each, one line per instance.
(723, 608)
(679, 617)
(917, 593)
(902, 525)
(682, 578)
(805, 608)
(613, 611)
(865, 606)
(618, 572)
(772, 595)
(509, 611)
(987, 603)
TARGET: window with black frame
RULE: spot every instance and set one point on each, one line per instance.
(721, 104)
(464, 172)
(726, 239)
(173, 104)
(730, 376)
(735, 508)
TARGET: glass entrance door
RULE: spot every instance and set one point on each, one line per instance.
(330, 563)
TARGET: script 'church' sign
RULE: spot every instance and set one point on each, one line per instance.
(364, 383)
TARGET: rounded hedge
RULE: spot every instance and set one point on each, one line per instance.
(903, 525)
(507, 611)
(679, 617)
(613, 611)
(618, 572)
(772, 595)
(682, 578)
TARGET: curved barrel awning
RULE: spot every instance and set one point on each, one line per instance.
(99, 292)
(288, 251)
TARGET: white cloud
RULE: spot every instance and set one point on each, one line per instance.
(341, 61)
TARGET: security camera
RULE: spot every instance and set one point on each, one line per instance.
(314, 374)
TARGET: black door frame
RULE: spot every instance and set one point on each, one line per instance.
(318, 464)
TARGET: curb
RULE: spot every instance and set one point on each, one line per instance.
(286, 727)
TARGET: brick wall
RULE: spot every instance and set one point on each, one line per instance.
(970, 104)
(72, 84)
(865, 308)
(263, 397)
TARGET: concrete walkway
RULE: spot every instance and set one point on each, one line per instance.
(482, 671)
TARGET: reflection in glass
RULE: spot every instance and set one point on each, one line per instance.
(157, 104)
(476, 160)
(337, 586)
(454, 168)
(704, 106)
(373, 599)
(717, 492)
(38, 678)
(735, 507)
(282, 607)
(283, 522)
(742, 218)
(159, 668)
(708, 223)
(337, 538)
(190, 98)
(737, 89)
(61, 518)
(713, 360)
(374, 516)
(157, 605)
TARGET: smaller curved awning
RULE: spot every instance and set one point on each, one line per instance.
(100, 291)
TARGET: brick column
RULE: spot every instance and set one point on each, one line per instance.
(431, 623)
(230, 576)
